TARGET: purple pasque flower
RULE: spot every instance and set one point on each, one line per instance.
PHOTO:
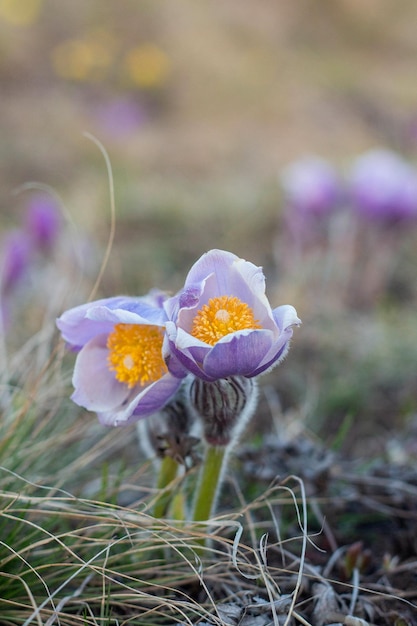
(121, 117)
(119, 371)
(311, 186)
(16, 257)
(221, 323)
(383, 186)
(43, 221)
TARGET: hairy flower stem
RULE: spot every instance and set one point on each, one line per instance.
(210, 480)
(167, 474)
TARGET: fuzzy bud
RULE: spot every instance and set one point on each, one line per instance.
(170, 432)
(224, 406)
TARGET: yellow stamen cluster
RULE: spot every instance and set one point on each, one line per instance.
(220, 317)
(135, 353)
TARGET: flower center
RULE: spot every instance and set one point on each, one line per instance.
(222, 316)
(135, 353)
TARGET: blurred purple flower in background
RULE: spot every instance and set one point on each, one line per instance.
(221, 323)
(15, 255)
(119, 372)
(121, 116)
(383, 186)
(42, 222)
(311, 186)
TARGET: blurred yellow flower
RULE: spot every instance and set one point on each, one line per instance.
(20, 12)
(147, 66)
(83, 60)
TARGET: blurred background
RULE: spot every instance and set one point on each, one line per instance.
(238, 125)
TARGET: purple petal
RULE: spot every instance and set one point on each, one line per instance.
(147, 401)
(228, 274)
(140, 313)
(81, 323)
(186, 350)
(185, 360)
(77, 329)
(156, 395)
(276, 354)
(286, 316)
(175, 367)
(96, 387)
(237, 354)
(210, 263)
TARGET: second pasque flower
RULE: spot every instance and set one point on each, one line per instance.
(221, 323)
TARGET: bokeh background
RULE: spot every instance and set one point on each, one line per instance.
(200, 107)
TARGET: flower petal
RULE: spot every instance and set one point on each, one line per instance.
(77, 328)
(222, 273)
(81, 323)
(276, 354)
(237, 354)
(131, 311)
(286, 316)
(147, 401)
(96, 387)
(212, 262)
(186, 351)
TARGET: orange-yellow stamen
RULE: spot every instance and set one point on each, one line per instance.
(135, 354)
(222, 316)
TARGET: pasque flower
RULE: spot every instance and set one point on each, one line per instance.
(16, 253)
(43, 222)
(221, 323)
(119, 372)
(383, 186)
(312, 187)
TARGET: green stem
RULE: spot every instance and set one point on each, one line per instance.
(209, 482)
(167, 474)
